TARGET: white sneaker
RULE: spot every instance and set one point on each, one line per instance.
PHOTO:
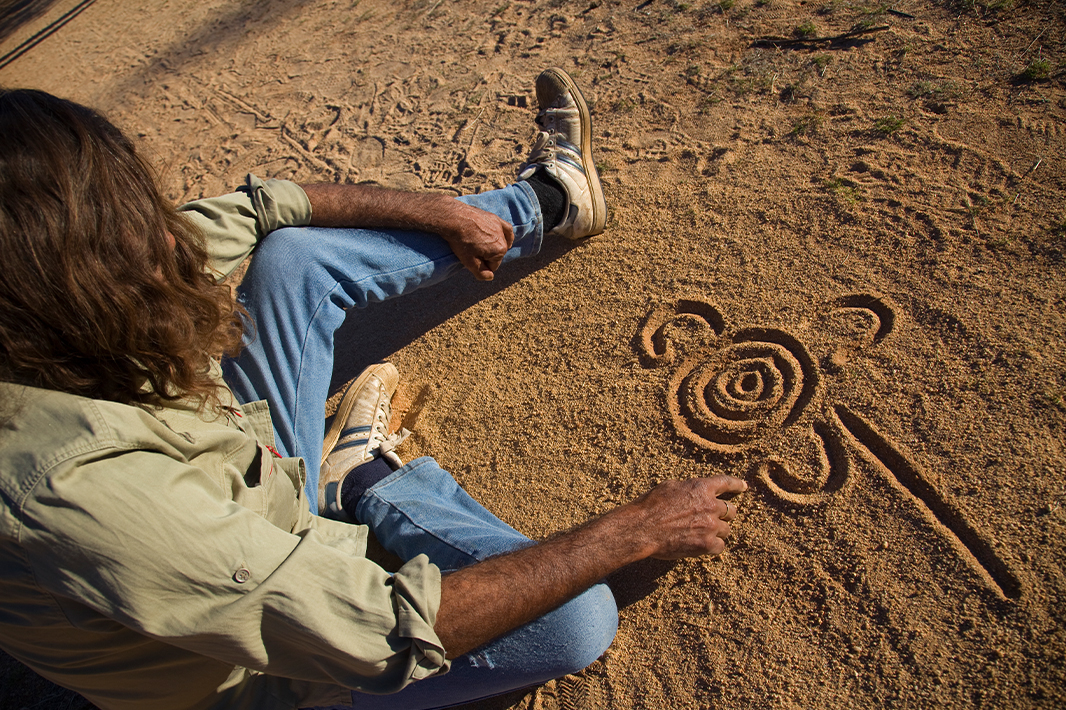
(564, 149)
(360, 433)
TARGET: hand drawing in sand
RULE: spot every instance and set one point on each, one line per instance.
(758, 392)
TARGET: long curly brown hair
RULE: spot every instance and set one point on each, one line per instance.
(95, 298)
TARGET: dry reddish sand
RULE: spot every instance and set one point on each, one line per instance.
(834, 270)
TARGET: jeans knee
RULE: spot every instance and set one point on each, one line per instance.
(586, 627)
(282, 254)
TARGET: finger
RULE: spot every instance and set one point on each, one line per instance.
(508, 234)
(488, 265)
(482, 271)
(471, 263)
(729, 511)
(727, 484)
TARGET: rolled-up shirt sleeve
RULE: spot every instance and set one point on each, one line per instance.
(165, 555)
(234, 223)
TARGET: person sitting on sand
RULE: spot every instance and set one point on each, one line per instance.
(177, 532)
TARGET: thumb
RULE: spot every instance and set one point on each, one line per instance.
(481, 270)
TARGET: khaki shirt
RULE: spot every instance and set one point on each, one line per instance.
(161, 558)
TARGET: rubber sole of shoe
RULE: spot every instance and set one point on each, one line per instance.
(599, 204)
(382, 370)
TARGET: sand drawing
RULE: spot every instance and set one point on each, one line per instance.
(757, 391)
(759, 382)
(902, 470)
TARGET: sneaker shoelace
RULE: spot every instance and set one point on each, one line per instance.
(380, 440)
(379, 430)
(542, 118)
(543, 151)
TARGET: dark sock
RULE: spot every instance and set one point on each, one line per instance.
(551, 195)
(359, 480)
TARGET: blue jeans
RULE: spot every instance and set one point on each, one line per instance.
(298, 286)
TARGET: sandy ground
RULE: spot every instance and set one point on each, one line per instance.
(836, 270)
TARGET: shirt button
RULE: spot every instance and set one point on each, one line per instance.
(242, 575)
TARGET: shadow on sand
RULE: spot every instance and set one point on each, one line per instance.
(375, 333)
(16, 13)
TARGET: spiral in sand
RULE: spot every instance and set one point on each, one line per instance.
(742, 393)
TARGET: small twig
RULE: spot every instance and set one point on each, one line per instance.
(897, 13)
(435, 5)
(305, 153)
(837, 39)
(244, 106)
(1035, 40)
(476, 123)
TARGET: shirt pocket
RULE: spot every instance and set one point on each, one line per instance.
(281, 498)
(261, 486)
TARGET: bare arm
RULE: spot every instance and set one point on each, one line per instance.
(676, 519)
(478, 238)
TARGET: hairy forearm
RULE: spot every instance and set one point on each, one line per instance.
(673, 520)
(478, 238)
(368, 206)
(481, 602)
